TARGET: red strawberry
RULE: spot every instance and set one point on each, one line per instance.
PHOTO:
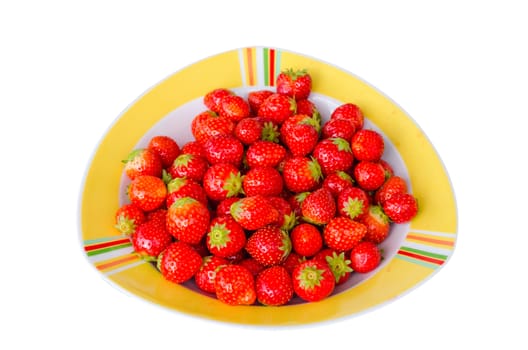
(254, 212)
(208, 124)
(206, 275)
(349, 111)
(318, 207)
(249, 130)
(337, 182)
(193, 147)
(274, 286)
(339, 265)
(365, 257)
(294, 83)
(400, 207)
(179, 262)
(189, 166)
(128, 217)
(343, 128)
(158, 216)
(367, 145)
(300, 133)
(143, 161)
(292, 260)
(188, 220)
(301, 174)
(353, 203)
(307, 107)
(369, 175)
(394, 184)
(333, 154)
(147, 192)
(255, 99)
(313, 280)
(235, 285)
(224, 149)
(264, 154)
(343, 234)
(234, 107)
(296, 201)
(287, 217)
(306, 239)
(221, 181)
(224, 207)
(269, 245)
(182, 187)
(252, 265)
(166, 148)
(225, 237)
(265, 181)
(150, 239)
(389, 171)
(277, 108)
(377, 223)
(212, 99)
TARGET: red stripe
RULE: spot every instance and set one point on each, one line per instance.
(421, 257)
(272, 67)
(106, 244)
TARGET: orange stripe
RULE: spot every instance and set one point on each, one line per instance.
(110, 264)
(431, 240)
(250, 66)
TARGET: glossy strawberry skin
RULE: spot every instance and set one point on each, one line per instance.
(318, 207)
(269, 245)
(147, 192)
(224, 149)
(394, 184)
(337, 182)
(367, 145)
(342, 234)
(208, 124)
(166, 148)
(225, 237)
(301, 174)
(377, 223)
(222, 181)
(249, 130)
(294, 83)
(235, 285)
(150, 239)
(306, 239)
(206, 275)
(401, 207)
(128, 217)
(299, 133)
(213, 99)
(351, 112)
(343, 128)
(365, 257)
(313, 280)
(189, 166)
(264, 154)
(274, 286)
(254, 212)
(179, 262)
(369, 175)
(277, 108)
(188, 220)
(333, 154)
(265, 181)
(234, 107)
(287, 217)
(255, 99)
(182, 187)
(143, 161)
(337, 262)
(193, 147)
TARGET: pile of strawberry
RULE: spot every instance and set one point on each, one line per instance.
(266, 202)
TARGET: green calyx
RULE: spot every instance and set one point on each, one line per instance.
(166, 177)
(219, 236)
(132, 155)
(183, 160)
(233, 184)
(270, 132)
(289, 221)
(310, 277)
(353, 207)
(237, 209)
(338, 265)
(378, 213)
(294, 74)
(125, 225)
(341, 143)
(344, 176)
(315, 169)
(175, 184)
(293, 105)
(181, 202)
(286, 245)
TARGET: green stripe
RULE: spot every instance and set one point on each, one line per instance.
(266, 66)
(108, 249)
(423, 252)
(416, 261)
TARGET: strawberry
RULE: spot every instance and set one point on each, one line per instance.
(158, 216)
(128, 217)
(150, 239)
(274, 286)
(235, 285)
(369, 175)
(193, 147)
(365, 257)
(367, 145)
(353, 203)
(264, 154)
(394, 184)
(294, 83)
(189, 166)
(389, 171)
(265, 181)
(224, 149)
(337, 182)
(349, 111)
(252, 265)
(287, 217)
(269, 245)
(307, 107)
(337, 262)
(333, 154)
(318, 207)
(223, 208)
(292, 260)
(343, 128)
(254, 212)
(255, 99)
(234, 107)
(249, 130)
(213, 99)
(277, 108)
(400, 207)
(165, 147)
(225, 237)
(147, 192)
(179, 262)
(296, 201)
(300, 133)
(306, 239)
(343, 234)
(221, 181)
(182, 187)
(143, 161)
(377, 223)
(206, 275)
(188, 220)
(301, 174)
(313, 280)
(208, 124)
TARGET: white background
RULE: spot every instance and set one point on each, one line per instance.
(69, 68)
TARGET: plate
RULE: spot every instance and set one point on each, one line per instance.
(413, 252)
